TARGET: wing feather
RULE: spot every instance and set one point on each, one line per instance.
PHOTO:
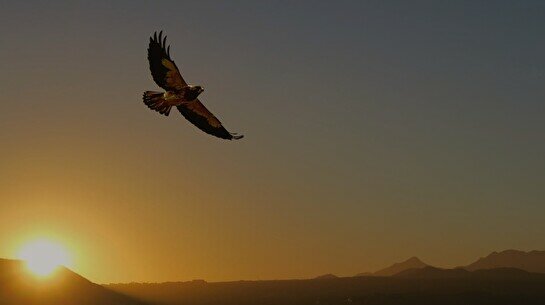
(198, 115)
(163, 69)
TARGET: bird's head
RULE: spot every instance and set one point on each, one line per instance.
(193, 92)
(196, 90)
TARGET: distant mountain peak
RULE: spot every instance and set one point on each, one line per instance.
(507, 252)
(410, 263)
(326, 276)
(532, 261)
(414, 259)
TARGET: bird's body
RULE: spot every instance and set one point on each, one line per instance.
(178, 93)
(178, 97)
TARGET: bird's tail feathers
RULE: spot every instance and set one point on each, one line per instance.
(154, 100)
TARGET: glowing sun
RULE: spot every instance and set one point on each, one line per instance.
(44, 256)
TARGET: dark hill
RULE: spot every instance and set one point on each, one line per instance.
(411, 263)
(326, 277)
(432, 272)
(533, 261)
(18, 287)
(509, 289)
(459, 273)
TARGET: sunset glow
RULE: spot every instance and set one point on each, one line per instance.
(44, 256)
(374, 131)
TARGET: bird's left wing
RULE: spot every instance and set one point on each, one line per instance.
(196, 113)
(163, 69)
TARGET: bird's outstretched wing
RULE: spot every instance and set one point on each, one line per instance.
(196, 113)
(163, 69)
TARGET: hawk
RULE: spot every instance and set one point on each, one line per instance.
(178, 93)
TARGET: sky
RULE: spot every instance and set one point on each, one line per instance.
(374, 131)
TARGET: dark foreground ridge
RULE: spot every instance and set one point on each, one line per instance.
(64, 287)
(416, 283)
(422, 286)
(531, 261)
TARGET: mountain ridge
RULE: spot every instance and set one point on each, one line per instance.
(18, 286)
(499, 287)
(531, 261)
(496, 273)
(410, 263)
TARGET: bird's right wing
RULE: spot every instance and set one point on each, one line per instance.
(198, 115)
(163, 69)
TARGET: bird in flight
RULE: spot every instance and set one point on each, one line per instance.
(178, 93)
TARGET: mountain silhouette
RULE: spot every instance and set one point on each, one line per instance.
(411, 263)
(408, 282)
(532, 261)
(422, 286)
(18, 287)
(432, 272)
(459, 273)
(365, 274)
(326, 277)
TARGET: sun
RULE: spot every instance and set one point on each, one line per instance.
(44, 256)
